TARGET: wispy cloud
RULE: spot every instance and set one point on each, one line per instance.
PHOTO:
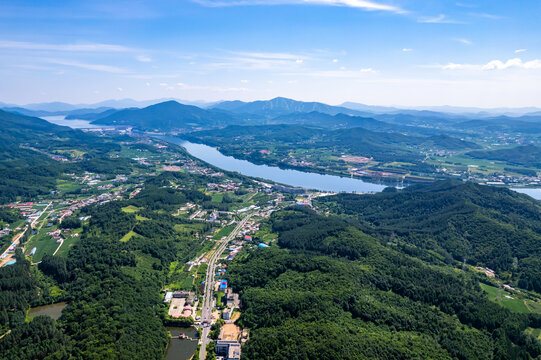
(464, 41)
(143, 58)
(83, 47)
(407, 50)
(440, 19)
(360, 4)
(495, 65)
(342, 73)
(486, 16)
(80, 65)
(465, 5)
(210, 88)
(258, 60)
(518, 51)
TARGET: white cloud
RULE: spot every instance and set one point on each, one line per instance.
(164, 84)
(440, 19)
(342, 73)
(495, 65)
(119, 89)
(335, 60)
(464, 41)
(518, 51)
(184, 86)
(84, 47)
(245, 81)
(486, 16)
(257, 61)
(465, 5)
(95, 67)
(143, 58)
(359, 4)
(269, 55)
(407, 50)
(147, 83)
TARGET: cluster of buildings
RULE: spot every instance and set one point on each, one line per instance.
(226, 186)
(192, 167)
(182, 303)
(297, 162)
(4, 232)
(56, 235)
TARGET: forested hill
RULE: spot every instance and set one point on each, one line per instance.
(168, 115)
(358, 141)
(527, 155)
(482, 225)
(281, 106)
(333, 292)
(34, 152)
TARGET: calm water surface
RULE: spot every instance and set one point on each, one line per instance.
(181, 349)
(285, 176)
(535, 193)
(53, 311)
(74, 124)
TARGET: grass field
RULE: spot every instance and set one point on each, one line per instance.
(44, 245)
(130, 209)
(128, 236)
(224, 232)
(67, 186)
(67, 245)
(514, 303)
(188, 229)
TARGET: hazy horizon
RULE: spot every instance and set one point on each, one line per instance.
(473, 54)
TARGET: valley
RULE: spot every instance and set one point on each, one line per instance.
(238, 258)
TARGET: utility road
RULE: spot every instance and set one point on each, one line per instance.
(208, 295)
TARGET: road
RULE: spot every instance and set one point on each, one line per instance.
(5, 257)
(208, 295)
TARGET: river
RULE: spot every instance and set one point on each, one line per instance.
(285, 176)
(74, 124)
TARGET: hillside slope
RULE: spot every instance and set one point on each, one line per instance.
(481, 225)
(168, 115)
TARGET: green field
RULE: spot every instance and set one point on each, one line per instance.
(224, 232)
(130, 209)
(128, 236)
(67, 245)
(44, 245)
(514, 303)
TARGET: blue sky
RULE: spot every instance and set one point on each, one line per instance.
(388, 52)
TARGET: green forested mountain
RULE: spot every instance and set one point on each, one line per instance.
(382, 146)
(481, 225)
(280, 106)
(335, 292)
(167, 116)
(527, 155)
(27, 149)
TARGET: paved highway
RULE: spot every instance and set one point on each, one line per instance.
(208, 295)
